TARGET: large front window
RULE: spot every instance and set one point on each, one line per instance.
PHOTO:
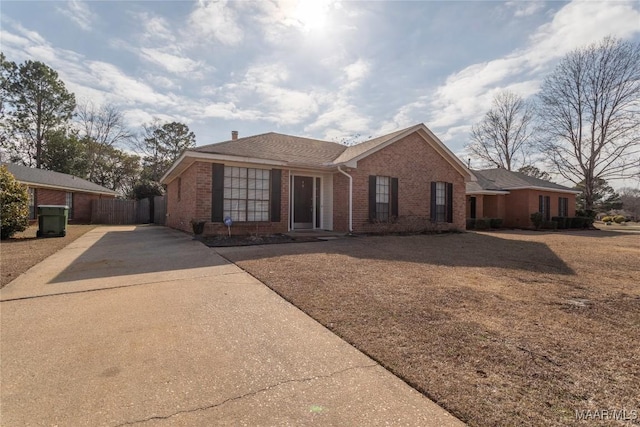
(246, 194)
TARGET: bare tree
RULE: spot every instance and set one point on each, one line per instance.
(501, 137)
(590, 114)
(102, 128)
(533, 171)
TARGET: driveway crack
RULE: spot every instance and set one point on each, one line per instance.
(249, 394)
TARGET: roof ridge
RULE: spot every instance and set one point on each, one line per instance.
(229, 141)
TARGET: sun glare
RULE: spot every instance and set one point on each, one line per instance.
(312, 14)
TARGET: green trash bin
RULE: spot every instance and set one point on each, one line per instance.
(52, 220)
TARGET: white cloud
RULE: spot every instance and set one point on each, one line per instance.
(580, 23)
(465, 95)
(156, 27)
(173, 63)
(136, 117)
(79, 12)
(282, 19)
(161, 81)
(341, 118)
(217, 20)
(13, 40)
(525, 8)
(127, 88)
(228, 111)
(30, 35)
(266, 74)
(264, 86)
(355, 73)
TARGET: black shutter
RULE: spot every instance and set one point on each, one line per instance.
(394, 197)
(217, 192)
(540, 204)
(276, 194)
(547, 208)
(449, 202)
(560, 210)
(433, 201)
(372, 197)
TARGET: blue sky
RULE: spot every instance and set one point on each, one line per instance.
(323, 69)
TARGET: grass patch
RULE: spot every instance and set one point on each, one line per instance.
(24, 250)
(501, 328)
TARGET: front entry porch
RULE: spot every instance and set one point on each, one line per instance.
(309, 200)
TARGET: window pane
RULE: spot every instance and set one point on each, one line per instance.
(244, 185)
(382, 211)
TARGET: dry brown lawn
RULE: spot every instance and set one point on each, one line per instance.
(502, 328)
(24, 250)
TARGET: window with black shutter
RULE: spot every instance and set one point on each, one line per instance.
(383, 198)
(441, 201)
(563, 206)
(544, 207)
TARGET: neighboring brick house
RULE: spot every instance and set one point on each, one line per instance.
(273, 183)
(514, 196)
(55, 188)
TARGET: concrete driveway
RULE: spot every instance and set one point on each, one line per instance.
(142, 325)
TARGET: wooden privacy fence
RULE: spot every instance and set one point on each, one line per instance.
(117, 211)
(159, 210)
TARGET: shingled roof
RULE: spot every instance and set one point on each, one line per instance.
(503, 180)
(279, 147)
(295, 151)
(56, 180)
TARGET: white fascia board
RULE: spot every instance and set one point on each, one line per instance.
(487, 192)
(555, 190)
(173, 167)
(449, 156)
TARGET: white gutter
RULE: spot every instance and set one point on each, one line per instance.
(350, 198)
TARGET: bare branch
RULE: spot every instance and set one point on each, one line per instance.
(590, 114)
(502, 137)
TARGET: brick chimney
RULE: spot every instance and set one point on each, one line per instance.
(234, 135)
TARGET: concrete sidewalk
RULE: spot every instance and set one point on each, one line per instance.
(132, 325)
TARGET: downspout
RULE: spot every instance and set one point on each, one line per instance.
(350, 198)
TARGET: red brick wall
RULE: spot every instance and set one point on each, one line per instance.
(46, 196)
(494, 206)
(81, 202)
(522, 203)
(416, 164)
(479, 205)
(341, 202)
(181, 211)
(195, 204)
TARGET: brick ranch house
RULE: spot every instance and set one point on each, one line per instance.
(55, 188)
(273, 183)
(514, 196)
